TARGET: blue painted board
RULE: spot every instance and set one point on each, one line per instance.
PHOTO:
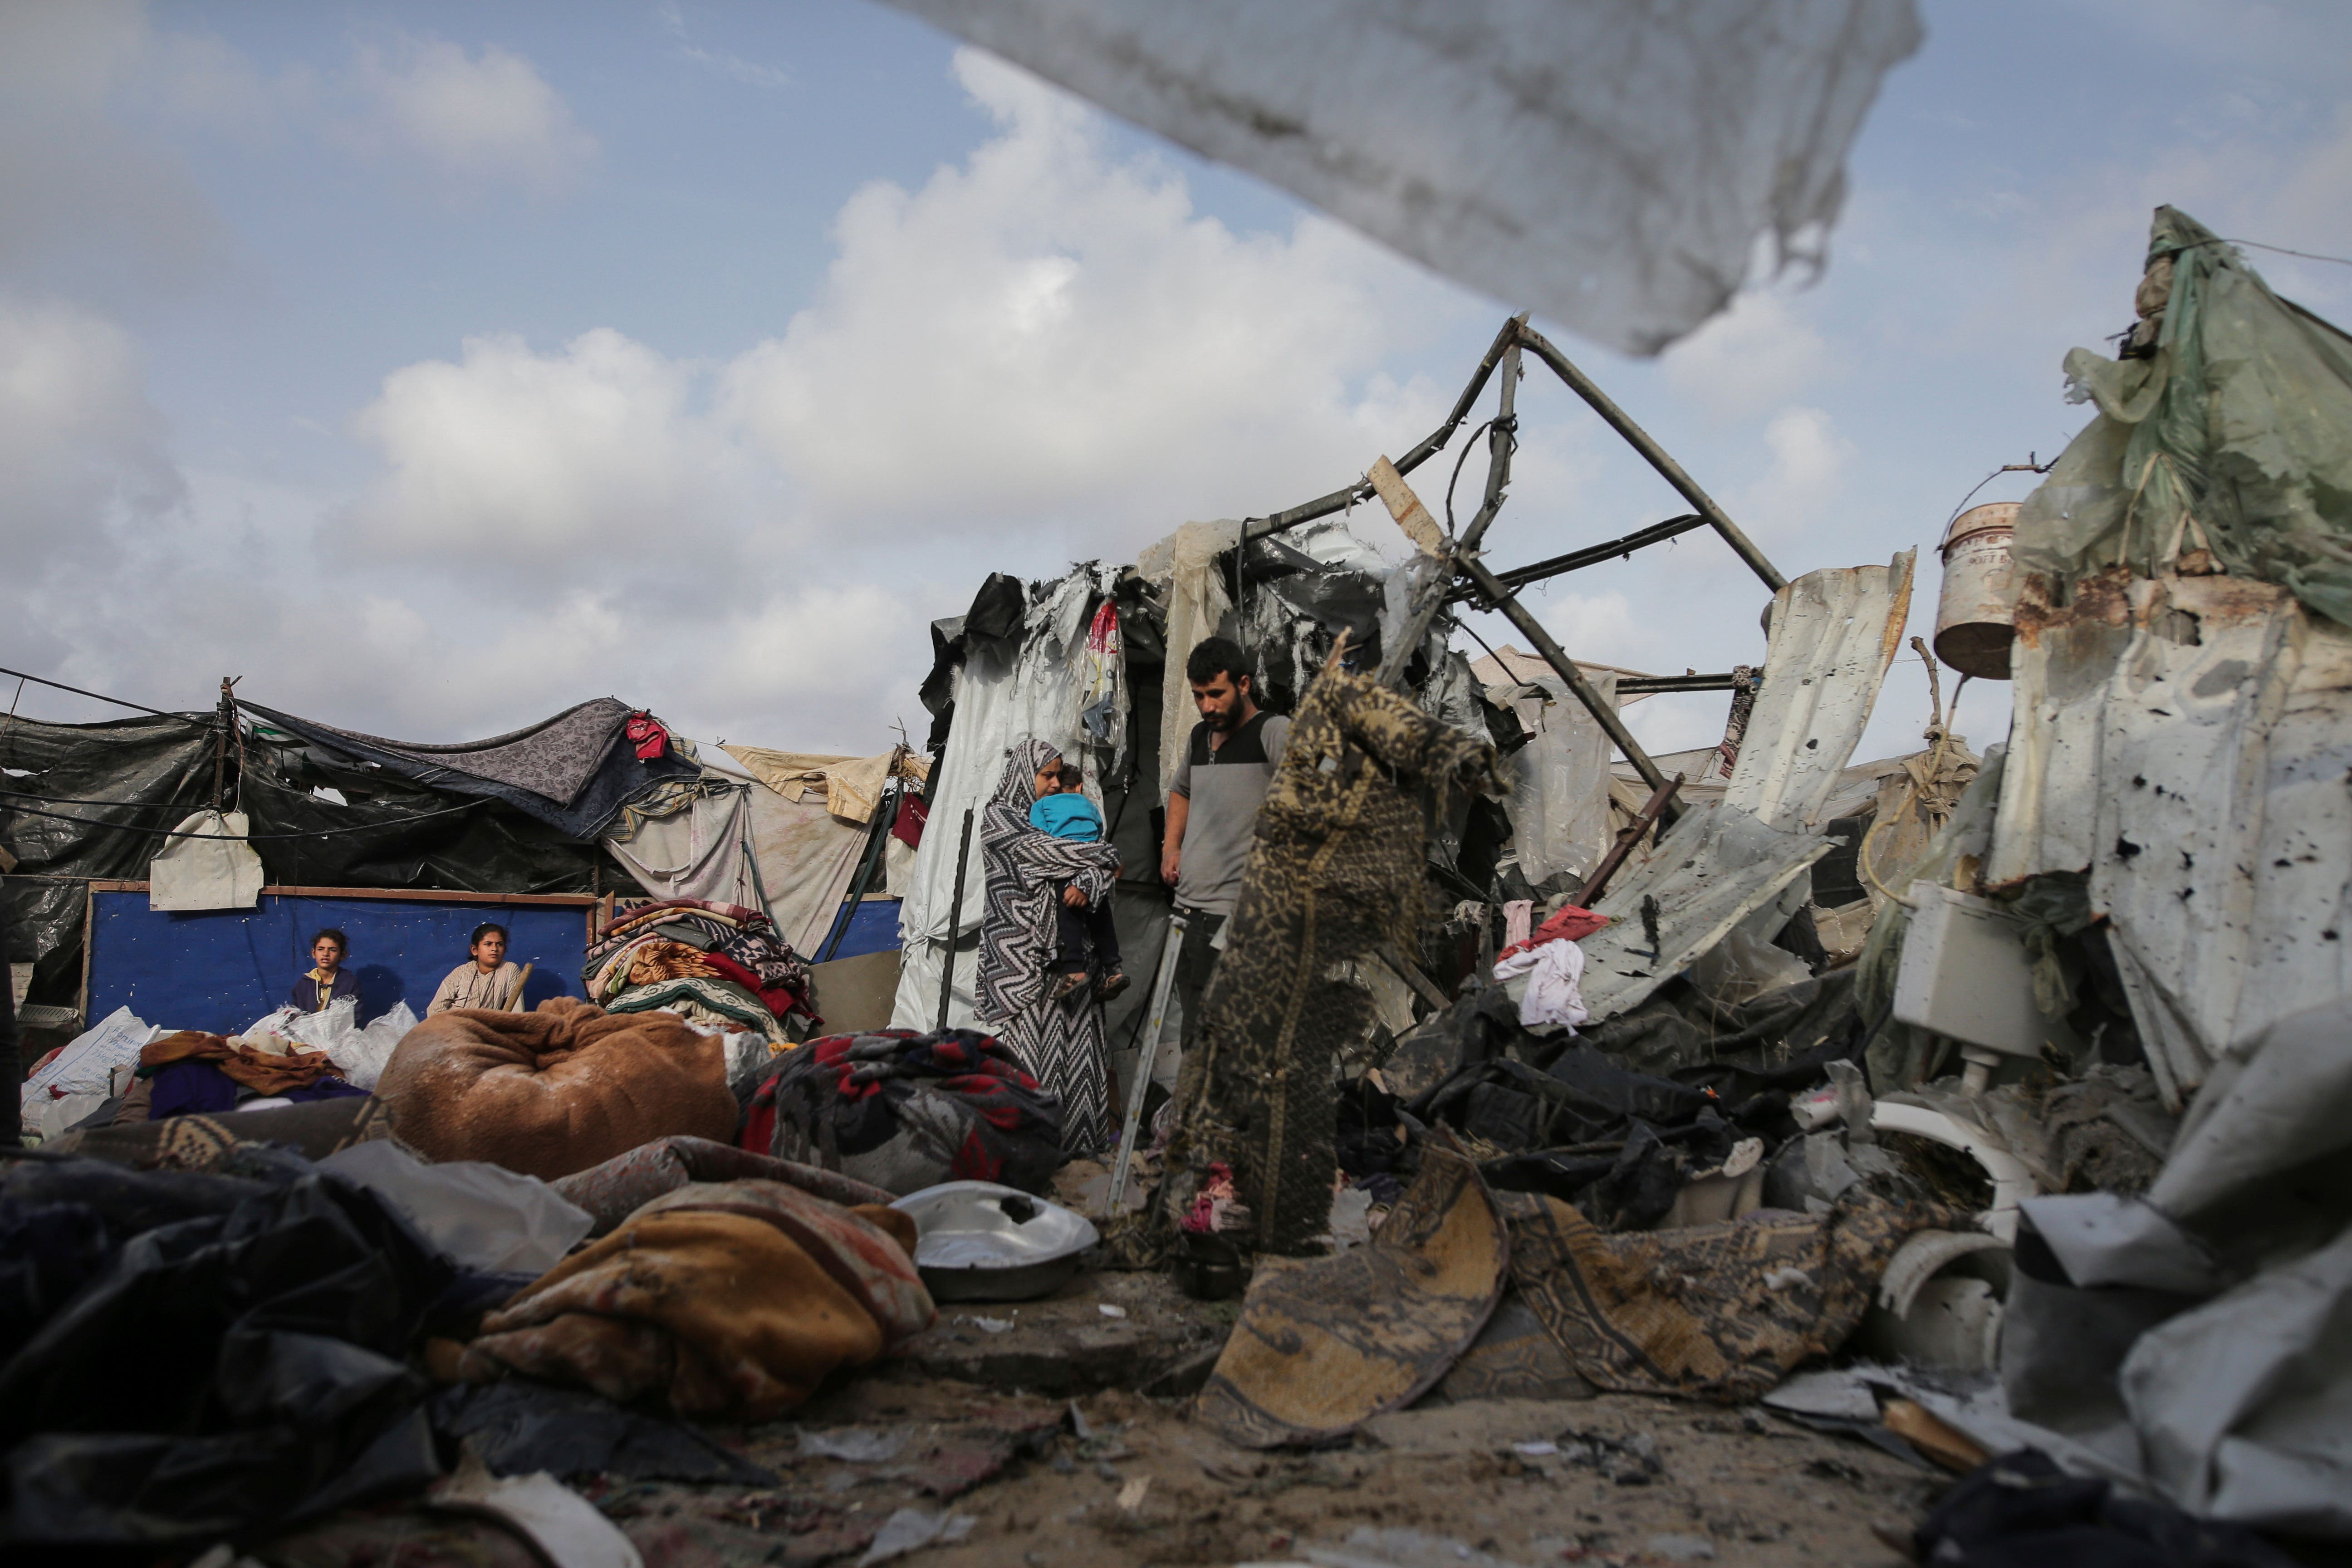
(873, 928)
(219, 969)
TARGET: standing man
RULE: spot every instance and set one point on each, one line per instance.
(1213, 809)
(487, 981)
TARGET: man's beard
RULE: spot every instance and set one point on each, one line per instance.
(1226, 721)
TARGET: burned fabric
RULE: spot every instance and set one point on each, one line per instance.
(1323, 1345)
(907, 1112)
(724, 1300)
(1720, 1312)
(1060, 1041)
(272, 1384)
(1337, 871)
(626, 1182)
(557, 1091)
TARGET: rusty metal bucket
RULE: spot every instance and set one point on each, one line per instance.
(1975, 614)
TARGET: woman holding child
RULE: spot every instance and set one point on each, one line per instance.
(1045, 966)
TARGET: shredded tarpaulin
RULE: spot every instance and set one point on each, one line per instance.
(724, 1300)
(1104, 670)
(850, 786)
(556, 1090)
(1613, 166)
(1321, 1346)
(907, 1112)
(1336, 870)
(1721, 1311)
(2229, 439)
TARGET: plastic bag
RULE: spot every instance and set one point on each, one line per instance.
(486, 1218)
(83, 1064)
(359, 1052)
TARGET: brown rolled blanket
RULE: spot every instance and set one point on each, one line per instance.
(729, 1300)
(264, 1072)
(557, 1091)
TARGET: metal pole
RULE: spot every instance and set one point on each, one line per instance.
(1565, 667)
(1162, 980)
(1341, 499)
(220, 748)
(1641, 441)
(1632, 834)
(1501, 438)
(955, 921)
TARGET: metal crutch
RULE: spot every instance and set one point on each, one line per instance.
(1161, 980)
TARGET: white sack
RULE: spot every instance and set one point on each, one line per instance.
(217, 871)
(484, 1217)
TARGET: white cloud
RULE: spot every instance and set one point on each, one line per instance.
(486, 119)
(80, 444)
(1809, 463)
(1031, 330)
(508, 454)
(1757, 356)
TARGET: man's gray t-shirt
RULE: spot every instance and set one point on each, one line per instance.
(1225, 787)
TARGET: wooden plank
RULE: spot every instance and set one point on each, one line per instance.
(419, 895)
(1406, 509)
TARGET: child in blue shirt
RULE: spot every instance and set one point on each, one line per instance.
(1083, 930)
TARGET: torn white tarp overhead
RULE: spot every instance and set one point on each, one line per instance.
(1834, 635)
(213, 867)
(1612, 165)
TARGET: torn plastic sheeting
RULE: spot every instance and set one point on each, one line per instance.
(485, 1217)
(283, 1389)
(1612, 166)
(566, 1528)
(2229, 436)
(1834, 634)
(1038, 693)
(1559, 793)
(1714, 868)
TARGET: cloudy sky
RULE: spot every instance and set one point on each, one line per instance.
(434, 366)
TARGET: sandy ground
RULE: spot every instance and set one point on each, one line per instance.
(1629, 1480)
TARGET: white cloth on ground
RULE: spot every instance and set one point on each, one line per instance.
(1553, 972)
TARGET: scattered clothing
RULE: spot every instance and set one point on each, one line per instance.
(549, 1092)
(1516, 915)
(201, 1088)
(1225, 785)
(233, 1142)
(1060, 1041)
(907, 1112)
(745, 937)
(1553, 972)
(1569, 923)
(727, 1300)
(470, 985)
(315, 992)
(263, 1072)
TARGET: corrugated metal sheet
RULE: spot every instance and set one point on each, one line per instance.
(2189, 740)
(1834, 634)
(1715, 867)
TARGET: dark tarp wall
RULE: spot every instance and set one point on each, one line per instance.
(488, 848)
(619, 775)
(163, 764)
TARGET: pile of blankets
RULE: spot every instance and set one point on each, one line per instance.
(906, 1111)
(191, 1071)
(716, 963)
